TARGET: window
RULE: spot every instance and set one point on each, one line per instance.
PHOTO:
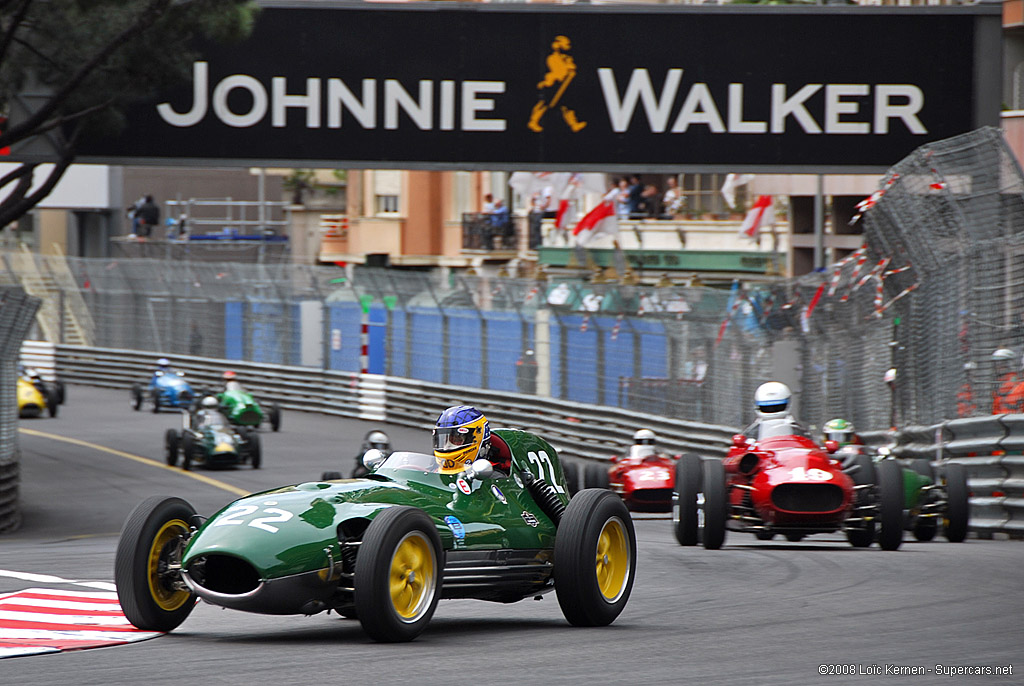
(387, 204)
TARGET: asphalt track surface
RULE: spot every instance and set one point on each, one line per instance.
(752, 613)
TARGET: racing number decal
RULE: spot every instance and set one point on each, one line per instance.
(236, 515)
(801, 474)
(542, 460)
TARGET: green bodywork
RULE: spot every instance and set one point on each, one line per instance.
(285, 531)
(240, 408)
(912, 485)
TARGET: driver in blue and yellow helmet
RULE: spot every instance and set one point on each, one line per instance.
(462, 435)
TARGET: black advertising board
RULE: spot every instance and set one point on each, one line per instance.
(439, 85)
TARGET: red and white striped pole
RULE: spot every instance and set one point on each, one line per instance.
(364, 333)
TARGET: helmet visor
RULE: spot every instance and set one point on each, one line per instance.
(838, 436)
(454, 438)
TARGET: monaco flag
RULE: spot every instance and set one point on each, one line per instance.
(757, 215)
(600, 220)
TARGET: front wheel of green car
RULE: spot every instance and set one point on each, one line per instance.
(595, 558)
(957, 504)
(147, 569)
(398, 574)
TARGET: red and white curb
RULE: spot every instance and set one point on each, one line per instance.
(46, 620)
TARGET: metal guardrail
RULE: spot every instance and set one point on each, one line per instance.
(589, 432)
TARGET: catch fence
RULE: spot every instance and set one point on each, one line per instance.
(935, 289)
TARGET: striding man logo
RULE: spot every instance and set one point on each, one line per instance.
(551, 91)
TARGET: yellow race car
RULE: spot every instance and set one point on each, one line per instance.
(32, 402)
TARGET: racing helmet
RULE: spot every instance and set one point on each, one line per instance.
(460, 434)
(379, 440)
(209, 403)
(163, 363)
(838, 430)
(772, 400)
(1003, 354)
(229, 375)
(643, 443)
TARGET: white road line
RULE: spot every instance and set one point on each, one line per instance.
(84, 620)
(50, 579)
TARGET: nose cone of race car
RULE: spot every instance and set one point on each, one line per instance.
(276, 552)
(801, 487)
(648, 486)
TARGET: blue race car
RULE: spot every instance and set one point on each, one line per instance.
(167, 388)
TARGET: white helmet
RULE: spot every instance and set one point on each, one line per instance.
(163, 362)
(1003, 354)
(209, 403)
(644, 437)
(772, 400)
(890, 375)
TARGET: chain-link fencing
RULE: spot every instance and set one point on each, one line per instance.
(17, 311)
(935, 289)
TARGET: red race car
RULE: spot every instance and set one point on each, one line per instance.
(783, 482)
(644, 478)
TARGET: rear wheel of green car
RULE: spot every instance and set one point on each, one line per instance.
(595, 558)
(957, 504)
(171, 445)
(147, 564)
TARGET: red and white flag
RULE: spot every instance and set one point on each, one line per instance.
(761, 213)
(600, 220)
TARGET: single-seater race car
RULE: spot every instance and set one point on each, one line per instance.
(167, 388)
(208, 439)
(932, 495)
(36, 397)
(643, 478)
(387, 547)
(785, 483)
(241, 409)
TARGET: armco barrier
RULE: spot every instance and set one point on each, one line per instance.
(17, 312)
(577, 430)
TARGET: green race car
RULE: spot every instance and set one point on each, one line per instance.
(207, 438)
(387, 547)
(241, 408)
(931, 496)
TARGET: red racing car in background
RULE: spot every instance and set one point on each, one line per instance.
(644, 478)
(783, 482)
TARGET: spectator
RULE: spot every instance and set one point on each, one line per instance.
(488, 203)
(1008, 396)
(148, 216)
(649, 199)
(672, 200)
(526, 373)
(622, 199)
(635, 190)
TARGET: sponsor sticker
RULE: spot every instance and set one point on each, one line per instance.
(530, 519)
(498, 494)
(458, 530)
(517, 479)
(464, 486)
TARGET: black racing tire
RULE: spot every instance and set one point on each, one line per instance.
(153, 538)
(890, 504)
(595, 476)
(275, 417)
(331, 476)
(689, 482)
(764, 535)
(595, 526)
(571, 472)
(52, 402)
(794, 538)
(924, 468)
(188, 449)
(716, 505)
(957, 504)
(925, 528)
(61, 391)
(255, 449)
(156, 402)
(172, 445)
(399, 542)
(863, 535)
(135, 397)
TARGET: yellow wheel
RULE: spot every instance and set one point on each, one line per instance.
(413, 576)
(166, 547)
(613, 559)
(595, 558)
(398, 574)
(147, 569)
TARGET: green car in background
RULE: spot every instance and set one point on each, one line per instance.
(241, 408)
(932, 496)
(385, 548)
(208, 439)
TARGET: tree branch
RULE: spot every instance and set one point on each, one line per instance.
(16, 19)
(16, 173)
(18, 203)
(149, 15)
(64, 119)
